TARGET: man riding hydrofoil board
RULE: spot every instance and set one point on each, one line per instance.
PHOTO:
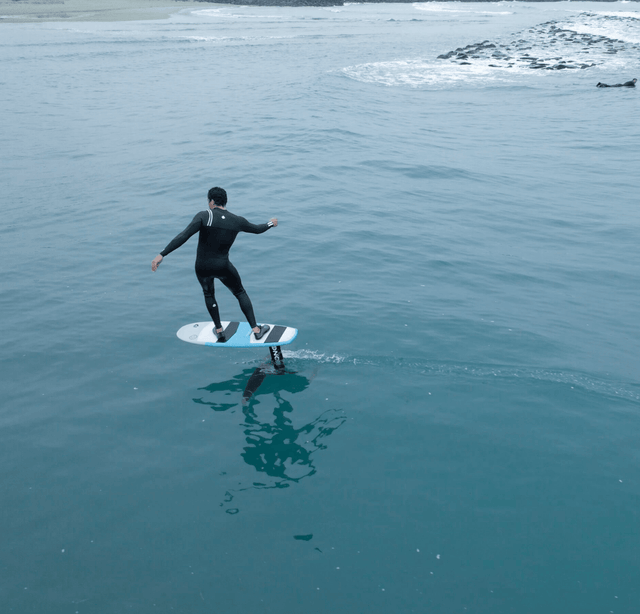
(218, 230)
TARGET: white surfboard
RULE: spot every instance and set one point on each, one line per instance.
(238, 334)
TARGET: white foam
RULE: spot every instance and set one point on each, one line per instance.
(313, 356)
(207, 12)
(435, 7)
(222, 13)
(615, 31)
(204, 39)
(422, 73)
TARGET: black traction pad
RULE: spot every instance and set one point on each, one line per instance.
(230, 331)
(275, 333)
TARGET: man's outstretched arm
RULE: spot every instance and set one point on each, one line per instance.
(181, 239)
(257, 229)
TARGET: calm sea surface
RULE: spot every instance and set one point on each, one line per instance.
(459, 246)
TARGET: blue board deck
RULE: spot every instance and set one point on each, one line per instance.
(239, 335)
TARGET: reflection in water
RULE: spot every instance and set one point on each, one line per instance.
(282, 451)
(275, 447)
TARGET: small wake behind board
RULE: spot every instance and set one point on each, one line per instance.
(238, 334)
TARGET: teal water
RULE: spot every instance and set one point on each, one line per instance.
(458, 245)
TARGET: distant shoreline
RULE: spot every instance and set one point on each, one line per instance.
(36, 11)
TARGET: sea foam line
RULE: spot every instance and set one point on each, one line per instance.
(623, 390)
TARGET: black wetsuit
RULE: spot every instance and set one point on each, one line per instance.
(218, 229)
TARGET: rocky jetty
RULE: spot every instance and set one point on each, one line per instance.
(556, 48)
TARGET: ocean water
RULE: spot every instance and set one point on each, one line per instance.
(458, 427)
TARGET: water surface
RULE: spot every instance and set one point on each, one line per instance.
(458, 245)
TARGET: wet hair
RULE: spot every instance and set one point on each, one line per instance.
(218, 196)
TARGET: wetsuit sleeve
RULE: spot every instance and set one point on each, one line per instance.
(184, 236)
(256, 229)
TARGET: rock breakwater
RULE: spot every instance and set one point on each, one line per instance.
(549, 46)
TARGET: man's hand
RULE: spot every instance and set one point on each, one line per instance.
(274, 220)
(155, 263)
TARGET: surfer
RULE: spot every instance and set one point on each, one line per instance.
(631, 83)
(218, 229)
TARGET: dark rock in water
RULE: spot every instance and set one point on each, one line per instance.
(631, 83)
